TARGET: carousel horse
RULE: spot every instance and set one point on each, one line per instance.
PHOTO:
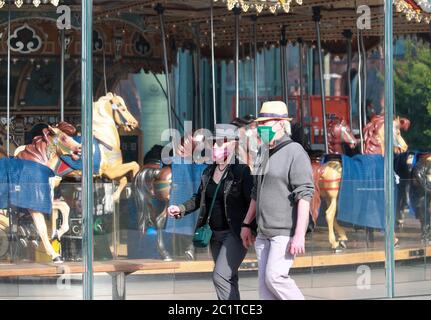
(109, 112)
(420, 193)
(330, 174)
(152, 187)
(30, 172)
(326, 175)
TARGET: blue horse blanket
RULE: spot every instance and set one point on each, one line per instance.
(186, 179)
(361, 199)
(77, 164)
(25, 184)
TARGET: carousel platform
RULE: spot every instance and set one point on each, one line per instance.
(318, 255)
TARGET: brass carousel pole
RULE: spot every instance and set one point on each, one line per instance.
(8, 87)
(316, 18)
(256, 93)
(348, 35)
(236, 12)
(364, 73)
(160, 10)
(62, 77)
(301, 76)
(283, 57)
(213, 66)
(361, 97)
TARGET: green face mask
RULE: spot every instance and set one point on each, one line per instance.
(265, 133)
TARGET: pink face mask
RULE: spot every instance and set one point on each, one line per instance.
(220, 153)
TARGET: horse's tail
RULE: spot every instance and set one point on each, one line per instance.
(138, 186)
(316, 201)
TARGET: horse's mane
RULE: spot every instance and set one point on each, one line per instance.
(154, 156)
(37, 150)
(334, 136)
(372, 144)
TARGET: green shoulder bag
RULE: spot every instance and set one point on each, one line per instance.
(202, 236)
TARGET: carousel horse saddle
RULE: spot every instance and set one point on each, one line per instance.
(25, 184)
(361, 199)
(68, 165)
(186, 179)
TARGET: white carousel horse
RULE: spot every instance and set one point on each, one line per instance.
(109, 112)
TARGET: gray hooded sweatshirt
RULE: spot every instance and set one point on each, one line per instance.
(288, 178)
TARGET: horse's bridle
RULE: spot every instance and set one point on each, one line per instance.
(115, 107)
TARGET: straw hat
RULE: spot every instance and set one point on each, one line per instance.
(276, 110)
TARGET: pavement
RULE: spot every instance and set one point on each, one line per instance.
(413, 281)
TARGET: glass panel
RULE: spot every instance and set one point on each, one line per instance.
(41, 221)
(135, 234)
(348, 246)
(412, 58)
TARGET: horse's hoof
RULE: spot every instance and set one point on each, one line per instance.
(338, 249)
(190, 255)
(55, 236)
(343, 244)
(57, 260)
(168, 259)
(23, 242)
(35, 244)
(397, 243)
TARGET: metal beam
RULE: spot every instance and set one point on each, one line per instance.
(87, 146)
(389, 156)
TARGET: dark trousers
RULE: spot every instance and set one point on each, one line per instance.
(228, 253)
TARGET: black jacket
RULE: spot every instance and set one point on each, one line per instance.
(237, 195)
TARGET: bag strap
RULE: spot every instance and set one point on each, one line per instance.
(215, 194)
(279, 147)
(271, 153)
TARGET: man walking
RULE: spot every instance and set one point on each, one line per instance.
(280, 202)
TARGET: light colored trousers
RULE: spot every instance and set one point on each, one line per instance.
(274, 262)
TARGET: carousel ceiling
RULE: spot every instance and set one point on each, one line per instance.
(128, 25)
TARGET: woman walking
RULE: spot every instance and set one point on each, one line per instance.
(223, 198)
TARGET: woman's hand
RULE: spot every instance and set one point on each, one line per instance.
(174, 211)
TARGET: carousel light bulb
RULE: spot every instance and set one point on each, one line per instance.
(2, 3)
(259, 8)
(272, 9)
(36, 3)
(286, 7)
(245, 7)
(419, 17)
(19, 3)
(299, 2)
(427, 19)
(55, 2)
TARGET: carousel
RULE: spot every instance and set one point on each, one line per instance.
(43, 128)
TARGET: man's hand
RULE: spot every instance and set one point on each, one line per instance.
(297, 245)
(246, 237)
(174, 211)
